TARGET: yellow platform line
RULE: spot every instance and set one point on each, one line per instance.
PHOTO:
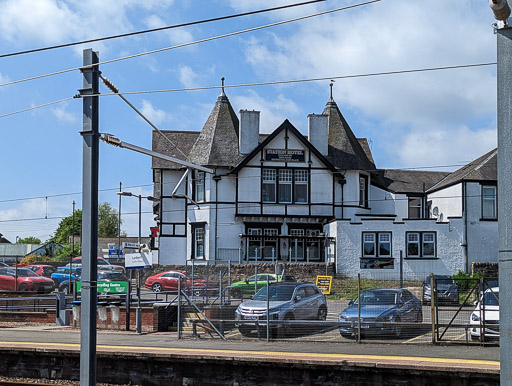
(266, 353)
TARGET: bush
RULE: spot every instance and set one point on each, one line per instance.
(466, 281)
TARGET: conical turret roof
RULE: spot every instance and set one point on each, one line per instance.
(345, 151)
(217, 144)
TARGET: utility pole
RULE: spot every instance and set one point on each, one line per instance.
(90, 135)
(501, 10)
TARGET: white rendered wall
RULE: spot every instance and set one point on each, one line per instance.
(448, 201)
(482, 234)
(449, 251)
(383, 202)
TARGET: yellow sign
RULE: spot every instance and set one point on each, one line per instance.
(324, 283)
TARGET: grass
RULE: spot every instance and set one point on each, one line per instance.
(346, 289)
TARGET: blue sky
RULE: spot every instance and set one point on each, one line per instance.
(422, 119)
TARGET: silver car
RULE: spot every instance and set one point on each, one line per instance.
(287, 302)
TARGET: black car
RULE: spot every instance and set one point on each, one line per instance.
(445, 287)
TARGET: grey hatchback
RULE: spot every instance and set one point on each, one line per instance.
(287, 301)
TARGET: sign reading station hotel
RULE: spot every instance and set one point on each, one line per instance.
(284, 155)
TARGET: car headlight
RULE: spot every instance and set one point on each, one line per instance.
(239, 310)
(386, 318)
(475, 318)
(343, 318)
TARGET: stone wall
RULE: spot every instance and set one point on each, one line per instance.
(488, 270)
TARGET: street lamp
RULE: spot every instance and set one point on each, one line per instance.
(138, 315)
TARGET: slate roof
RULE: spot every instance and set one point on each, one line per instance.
(484, 168)
(181, 142)
(345, 150)
(217, 144)
(406, 181)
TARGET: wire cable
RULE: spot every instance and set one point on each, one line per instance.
(161, 28)
(78, 96)
(190, 43)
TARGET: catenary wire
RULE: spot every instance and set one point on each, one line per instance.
(190, 43)
(461, 66)
(188, 24)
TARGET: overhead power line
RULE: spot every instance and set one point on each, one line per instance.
(188, 24)
(267, 83)
(191, 43)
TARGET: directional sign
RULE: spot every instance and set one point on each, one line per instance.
(138, 260)
(130, 245)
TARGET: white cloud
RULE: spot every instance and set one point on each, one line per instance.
(273, 112)
(175, 36)
(62, 115)
(155, 115)
(390, 36)
(434, 147)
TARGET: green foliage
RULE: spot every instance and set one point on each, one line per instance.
(29, 240)
(343, 288)
(108, 225)
(108, 221)
(466, 281)
(32, 258)
(65, 253)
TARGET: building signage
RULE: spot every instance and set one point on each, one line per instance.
(127, 245)
(111, 287)
(377, 263)
(284, 155)
(138, 260)
(324, 283)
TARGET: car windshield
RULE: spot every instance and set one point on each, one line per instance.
(492, 298)
(378, 298)
(440, 279)
(25, 272)
(277, 293)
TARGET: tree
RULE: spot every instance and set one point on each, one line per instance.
(108, 224)
(29, 240)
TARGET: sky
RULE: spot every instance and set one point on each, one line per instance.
(432, 120)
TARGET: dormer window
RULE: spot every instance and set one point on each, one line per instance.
(363, 191)
(199, 187)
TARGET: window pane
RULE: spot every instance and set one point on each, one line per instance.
(429, 245)
(412, 249)
(269, 192)
(362, 191)
(369, 244)
(301, 193)
(384, 244)
(301, 176)
(200, 186)
(414, 208)
(285, 192)
(488, 208)
(285, 175)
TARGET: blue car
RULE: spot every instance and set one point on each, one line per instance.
(62, 274)
(382, 311)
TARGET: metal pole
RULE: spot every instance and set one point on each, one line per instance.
(432, 309)
(119, 224)
(504, 80)
(401, 269)
(128, 308)
(72, 250)
(255, 279)
(268, 311)
(295, 250)
(90, 135)
(179, 308)
(358, 308)
(138, 315)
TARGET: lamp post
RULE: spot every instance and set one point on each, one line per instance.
(138, 314)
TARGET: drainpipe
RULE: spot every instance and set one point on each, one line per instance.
(342, 181)
(216, 178)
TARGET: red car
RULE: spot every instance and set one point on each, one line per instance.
(41, 269)
(168, 281)
(27, 280)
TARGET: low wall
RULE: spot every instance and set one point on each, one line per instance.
(488, 270)
(154, 369)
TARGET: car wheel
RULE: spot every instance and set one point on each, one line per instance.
(322, 313)
(398, 328)
(287, 328)
(346, 336)
(475, 337)
(156, 287)
(23, 287)
(56, 282)
(244, 331)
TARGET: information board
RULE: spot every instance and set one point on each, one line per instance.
(111, 287)
(324, 283)
(284, 155)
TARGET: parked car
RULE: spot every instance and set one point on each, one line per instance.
(487, 311)
(62, 274)
(27, 280)
(447, 289)
(41, 269)
(168, 281)
(2, 264)
(287, 301)
(103, 276)
(247, 286)
(102, 264)
(380, 309)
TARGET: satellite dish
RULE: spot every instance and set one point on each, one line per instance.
(435, 211)
(441, 217)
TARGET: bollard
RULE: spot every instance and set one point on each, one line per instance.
(61, 314)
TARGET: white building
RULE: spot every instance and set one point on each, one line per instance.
(288, 197)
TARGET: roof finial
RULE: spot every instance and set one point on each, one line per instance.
(222, 80)
(330, 85)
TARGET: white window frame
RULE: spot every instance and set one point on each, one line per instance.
(200, 186)
(364, 196)
(421, 240)
(370, 238)
(199, 241)
(285, 182)
(415, 207)
(489, 199)
(302, 180)
(268, 179)
(381, 240)
(376, 239)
